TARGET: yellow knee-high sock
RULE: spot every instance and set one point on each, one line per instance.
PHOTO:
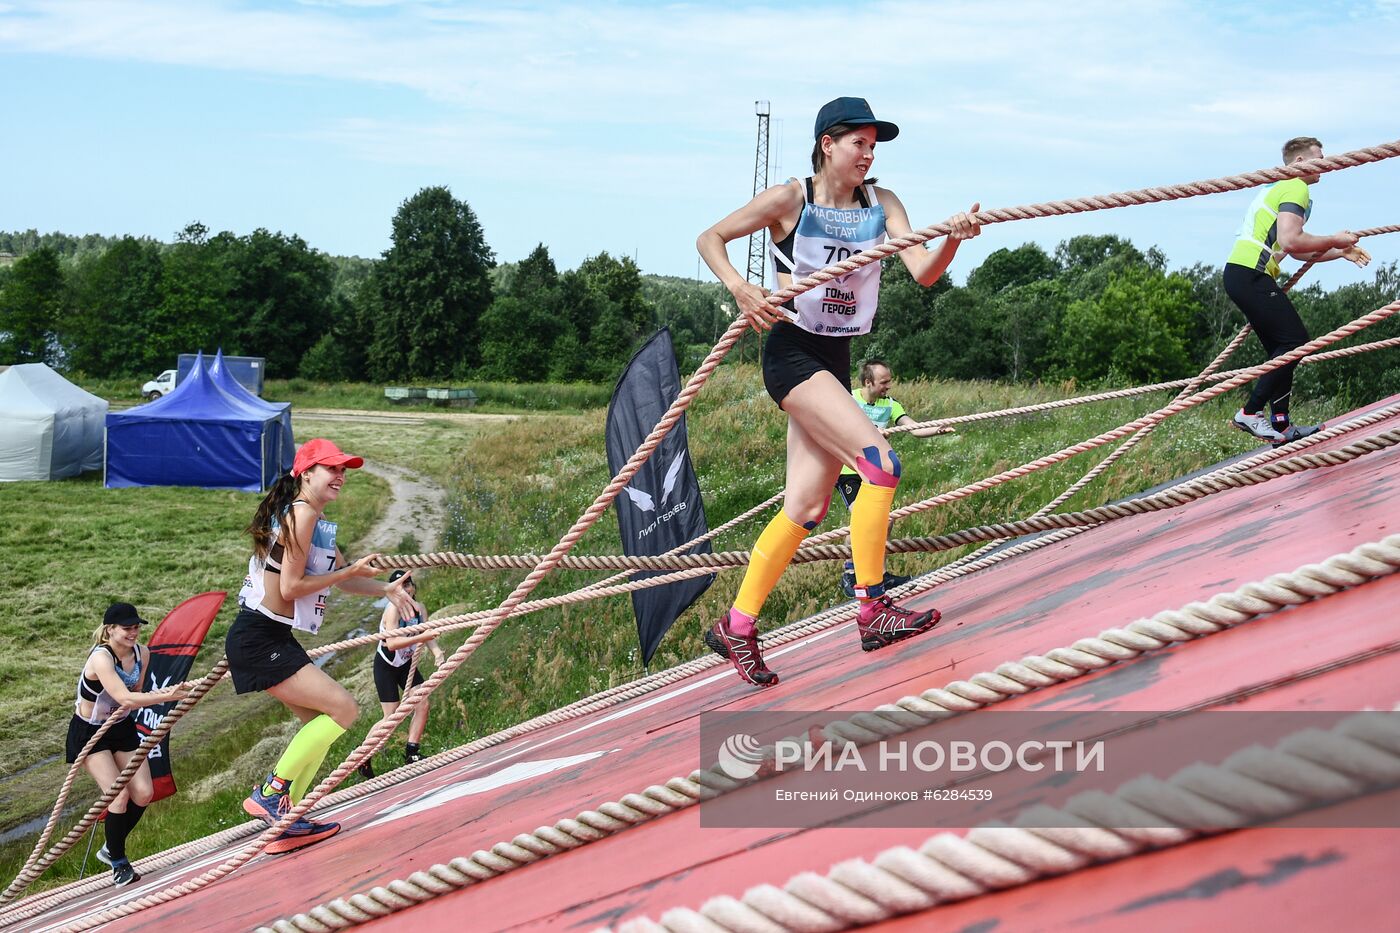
(870, 523)
(770, 557)
(304, 755)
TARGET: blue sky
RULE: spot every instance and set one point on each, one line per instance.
(629, 127)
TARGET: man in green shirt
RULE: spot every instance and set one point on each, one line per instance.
(873, 397)
(1273, 228)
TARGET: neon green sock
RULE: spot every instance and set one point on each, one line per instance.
(304, 755)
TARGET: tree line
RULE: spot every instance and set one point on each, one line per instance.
(437, 305)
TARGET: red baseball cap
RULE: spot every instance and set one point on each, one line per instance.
(319, 450)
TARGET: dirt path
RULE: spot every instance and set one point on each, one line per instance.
(417, 506)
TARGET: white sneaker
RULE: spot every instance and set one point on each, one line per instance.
(1257, 425)
(103, 856)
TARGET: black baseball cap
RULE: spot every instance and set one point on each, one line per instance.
(122, 614)
(853, 111)
(399, 573)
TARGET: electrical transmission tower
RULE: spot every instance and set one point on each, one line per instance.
(758, 240)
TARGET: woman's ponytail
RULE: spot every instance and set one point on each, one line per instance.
(274, 507)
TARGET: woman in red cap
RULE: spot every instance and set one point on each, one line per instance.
(295, 562)
(828, 217)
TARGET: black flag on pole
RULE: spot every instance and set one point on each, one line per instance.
(660, 508)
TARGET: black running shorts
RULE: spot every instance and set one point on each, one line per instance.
(848, 484)
(261, 652)
(122, 737)
(389, 680)
(791, 356)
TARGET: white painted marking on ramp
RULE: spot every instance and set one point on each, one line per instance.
(512, 774)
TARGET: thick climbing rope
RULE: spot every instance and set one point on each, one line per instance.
(38, 904)
(1161, 414)
(1014, 678)
(380, 732)
(1388, 343)
(1174, 497)
(1359, 755)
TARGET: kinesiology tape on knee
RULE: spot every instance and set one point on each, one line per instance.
(770, 557)
(871, 468)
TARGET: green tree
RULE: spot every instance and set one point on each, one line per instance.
(280, 299)
(434, 283)
(901, 332)
(114, 295)
(31, 309)
(1027, 319)
(197, 278)
(1009, 268)
(1135, 329)
(617, 317)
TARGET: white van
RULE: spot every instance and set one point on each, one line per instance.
(160, 385)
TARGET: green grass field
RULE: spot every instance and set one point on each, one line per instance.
(514, 486)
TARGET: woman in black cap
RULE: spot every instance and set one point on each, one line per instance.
(828, 217)
(112, 677)
(392, 659)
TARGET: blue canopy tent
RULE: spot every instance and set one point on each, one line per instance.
(198, 435)
(223, 378)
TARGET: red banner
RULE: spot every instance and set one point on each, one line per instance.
(173, 645)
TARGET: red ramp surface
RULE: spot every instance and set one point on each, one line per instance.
(1340, 652)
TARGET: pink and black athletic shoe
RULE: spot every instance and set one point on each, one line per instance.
(881, 623)
(741, 651)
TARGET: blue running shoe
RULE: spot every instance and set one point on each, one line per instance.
(299, 834)
(272, 807)
(267, 807)
(123, 874)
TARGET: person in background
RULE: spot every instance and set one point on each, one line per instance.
(1273, 228)
(392, 659)
(112, 678)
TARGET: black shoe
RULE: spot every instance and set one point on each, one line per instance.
(366, 770)
(411, 758)
(1296, 432)
(893, 580)
(104, 856)
(123, 874)
(848, 582)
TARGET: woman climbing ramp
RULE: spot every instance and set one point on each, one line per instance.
(295, 563)
(112, 676)
(392, 660)
(832, 215)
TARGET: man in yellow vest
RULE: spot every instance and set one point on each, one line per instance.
(1273, 228)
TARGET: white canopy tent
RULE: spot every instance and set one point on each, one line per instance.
(49, 428)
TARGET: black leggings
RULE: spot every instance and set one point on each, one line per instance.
(1280, 329)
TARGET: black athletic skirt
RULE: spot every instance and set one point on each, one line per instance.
(122, 737)
(791, 356)
(389, 680)
(261, 652)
